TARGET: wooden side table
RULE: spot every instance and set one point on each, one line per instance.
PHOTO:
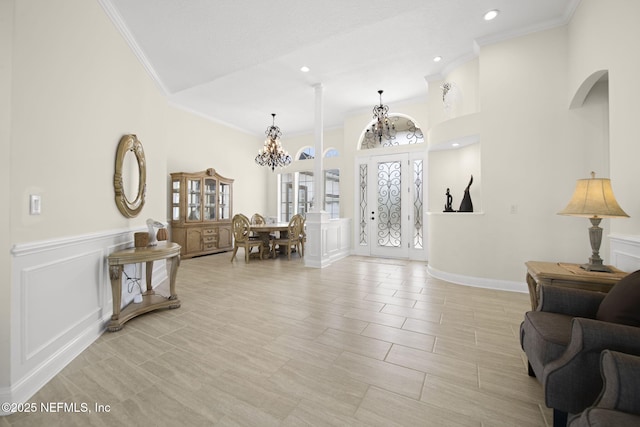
(150, 301)
(569, 276)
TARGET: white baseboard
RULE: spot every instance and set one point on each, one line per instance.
(479, 282)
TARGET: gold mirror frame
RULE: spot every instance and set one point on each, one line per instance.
(128, 208)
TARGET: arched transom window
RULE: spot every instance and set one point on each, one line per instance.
(399, 130)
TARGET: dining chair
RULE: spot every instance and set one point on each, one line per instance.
(303, 235)
(240, 225)
(258, 219)
(292, 239)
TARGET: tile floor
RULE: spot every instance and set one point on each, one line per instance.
(364, 342)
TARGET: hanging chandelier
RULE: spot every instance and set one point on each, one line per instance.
(272, 154)
(383, 127)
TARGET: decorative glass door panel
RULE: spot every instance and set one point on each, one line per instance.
(389, 224)
(194, 207)
(209, 204)
(388, 206)
(175, 199)
(225, 201)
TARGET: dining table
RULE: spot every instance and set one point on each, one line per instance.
(264, 232)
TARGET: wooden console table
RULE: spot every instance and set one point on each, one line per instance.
(569, 276)
(150, 301)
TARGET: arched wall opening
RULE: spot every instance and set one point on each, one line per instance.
(585, 88)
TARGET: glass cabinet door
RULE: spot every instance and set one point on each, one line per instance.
(209, 204)
(225, 199)
(193, 200)
(175, 200)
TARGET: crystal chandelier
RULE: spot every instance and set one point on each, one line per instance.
(383, 127)
(272, 154)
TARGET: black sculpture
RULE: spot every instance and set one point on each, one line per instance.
(466, 205)
(447, 206)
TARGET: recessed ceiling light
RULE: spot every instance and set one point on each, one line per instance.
(304, 69)
(455, 144)
(491, 14)
(437, 58)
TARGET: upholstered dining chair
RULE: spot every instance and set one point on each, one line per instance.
(564, 337)
(292, 239)
(240, 226)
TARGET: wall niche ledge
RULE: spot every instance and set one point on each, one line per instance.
(455, 213)
(454, 129)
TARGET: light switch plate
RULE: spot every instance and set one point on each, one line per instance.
(35, 204)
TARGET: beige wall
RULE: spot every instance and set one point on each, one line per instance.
(76, 90)
(528, 158)
(602, 36)
(195, 144)
(6, 47)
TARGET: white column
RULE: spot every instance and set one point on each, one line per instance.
(315, 253)
(318, 182)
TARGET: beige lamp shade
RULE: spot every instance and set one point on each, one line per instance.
(593, 198)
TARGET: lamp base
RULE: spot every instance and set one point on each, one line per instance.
(595, 237)
(596, 267)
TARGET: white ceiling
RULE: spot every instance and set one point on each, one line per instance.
(238, 61)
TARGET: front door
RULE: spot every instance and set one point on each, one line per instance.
(384, 206)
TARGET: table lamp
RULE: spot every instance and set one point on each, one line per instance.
(594, 199)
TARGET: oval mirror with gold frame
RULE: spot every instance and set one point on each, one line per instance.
(130, 145)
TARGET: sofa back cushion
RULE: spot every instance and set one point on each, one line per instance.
(622, 303)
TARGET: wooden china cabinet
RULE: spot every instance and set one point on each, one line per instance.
(201, 210)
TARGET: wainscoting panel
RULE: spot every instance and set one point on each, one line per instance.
(327, 240)
(61, 302)
(72, 302)
(625, 252)
(338, 238)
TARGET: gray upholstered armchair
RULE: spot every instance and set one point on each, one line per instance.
(564, 337)
(618, 404)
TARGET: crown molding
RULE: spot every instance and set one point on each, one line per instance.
(120, 25)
